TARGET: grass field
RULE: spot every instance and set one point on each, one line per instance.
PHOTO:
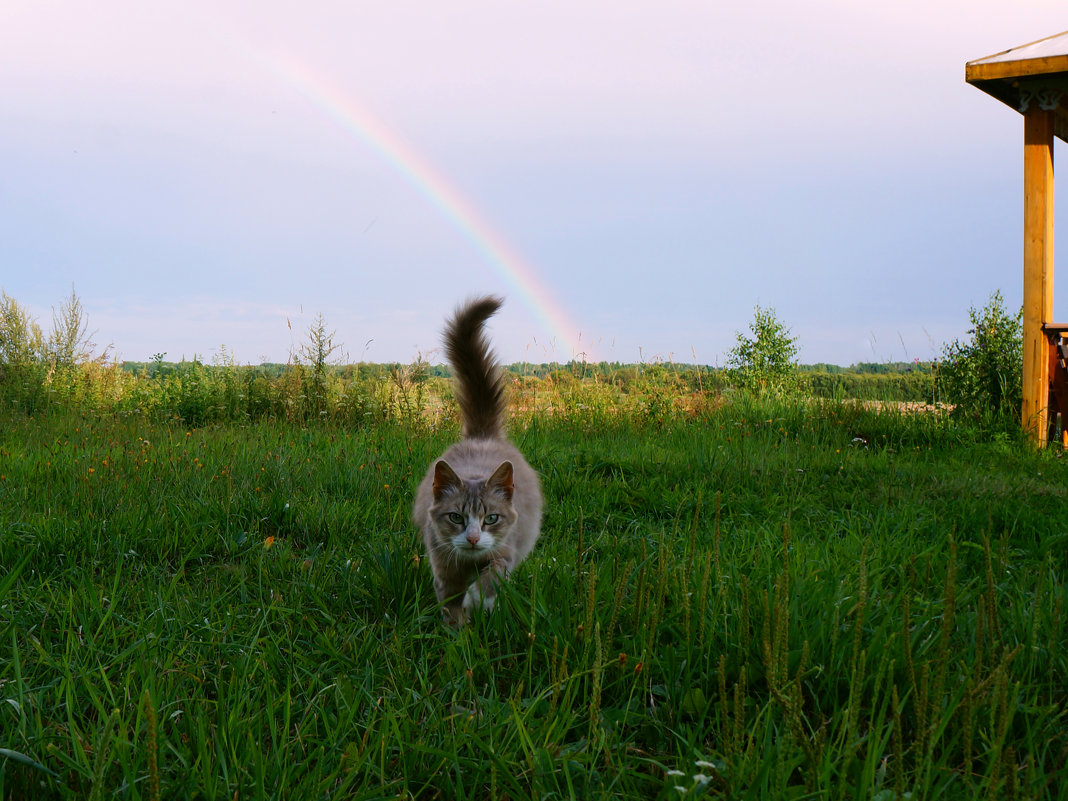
(753, 601)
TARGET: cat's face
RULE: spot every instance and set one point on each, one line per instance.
(472, 517)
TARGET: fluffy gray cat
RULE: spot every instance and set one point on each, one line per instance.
(479, 505)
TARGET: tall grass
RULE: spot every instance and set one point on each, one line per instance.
(59, 373)
(731, 599)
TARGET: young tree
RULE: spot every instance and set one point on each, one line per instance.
(21, 340)
(983, 376)
(317, 352)
(766, 362)
(69, 343)
(22, 349)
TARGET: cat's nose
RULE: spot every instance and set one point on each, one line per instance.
(473, 536)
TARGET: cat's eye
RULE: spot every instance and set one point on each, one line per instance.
(489, 520)
(455, 517)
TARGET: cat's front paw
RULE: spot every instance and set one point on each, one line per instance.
(477, 598)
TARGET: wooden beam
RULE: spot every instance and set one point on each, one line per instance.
(982, 70)
(1038, 269)
(1019, 94)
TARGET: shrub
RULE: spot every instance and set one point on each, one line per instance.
(983, 375)
(766, 363)
(22, 348)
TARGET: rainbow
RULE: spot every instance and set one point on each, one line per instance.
(445, 197)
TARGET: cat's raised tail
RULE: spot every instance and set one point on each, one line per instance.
(479, 380)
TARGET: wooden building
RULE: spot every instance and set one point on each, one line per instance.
(1033, 80)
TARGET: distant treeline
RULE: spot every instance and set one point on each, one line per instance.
(888, 381)
(61, 370)
(196, 393)
(603, 370)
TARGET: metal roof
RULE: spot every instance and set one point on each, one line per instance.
(1051, 47)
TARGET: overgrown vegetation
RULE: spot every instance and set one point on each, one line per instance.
(209, 587)
(60, 368)
(58, 372)
(982, 375)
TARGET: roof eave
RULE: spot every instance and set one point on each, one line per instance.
(1025, 84)
(975, 71)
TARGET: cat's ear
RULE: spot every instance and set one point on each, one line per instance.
(445, 479)
(501, 480)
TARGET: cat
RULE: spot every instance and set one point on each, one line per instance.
(479, 505)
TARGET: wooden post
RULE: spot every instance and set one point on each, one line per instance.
(1038, 269)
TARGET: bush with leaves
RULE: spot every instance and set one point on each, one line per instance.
(22, 348)
(766, 362)
(317, 355)
(983, 376)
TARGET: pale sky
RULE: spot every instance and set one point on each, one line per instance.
(634, 177)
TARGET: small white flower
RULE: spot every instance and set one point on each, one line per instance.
(675, 773)
(701, 778)
(702, 764)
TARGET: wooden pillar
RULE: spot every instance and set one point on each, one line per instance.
(1038, 269)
